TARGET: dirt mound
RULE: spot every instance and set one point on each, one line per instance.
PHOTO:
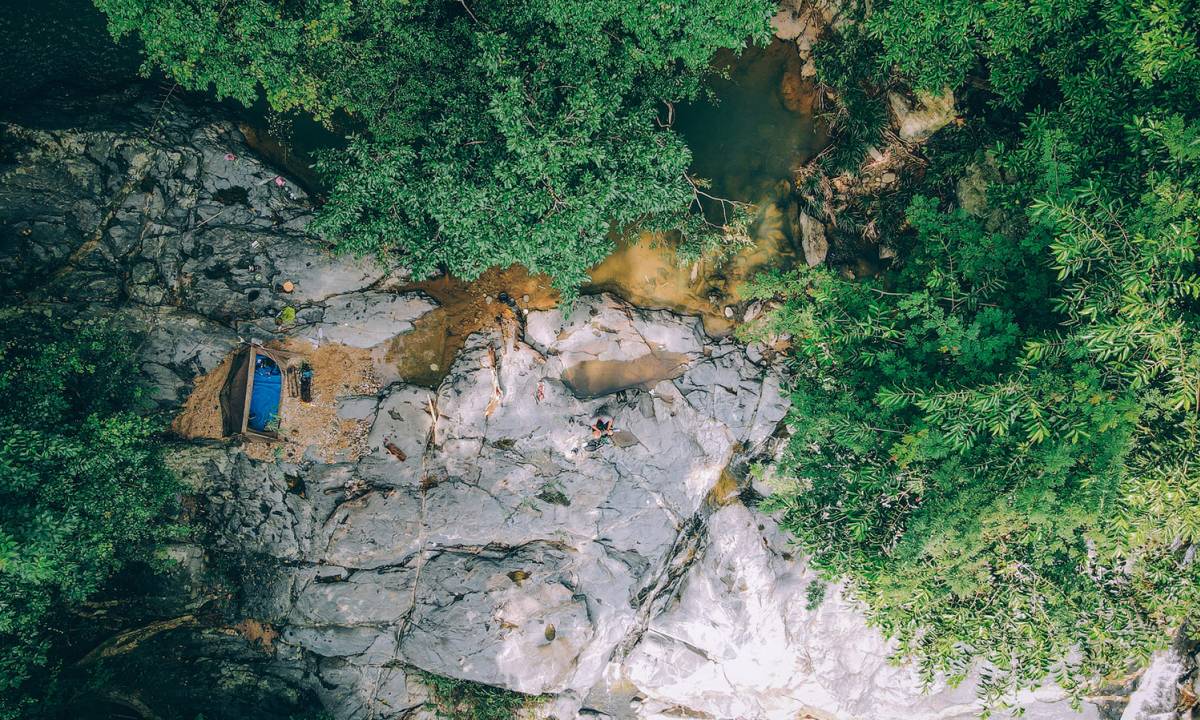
(201, 414)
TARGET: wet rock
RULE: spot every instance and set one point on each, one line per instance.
(331, 573)
(813, 240)
(596, 378)
(916, 120)
(605, 328)
(624, 439)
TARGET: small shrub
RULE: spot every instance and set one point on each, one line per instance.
(814, 594)
(456, 699)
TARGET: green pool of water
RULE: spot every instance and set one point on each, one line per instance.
(746, 139)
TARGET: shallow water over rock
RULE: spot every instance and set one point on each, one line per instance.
(498, 300)
(594, 378)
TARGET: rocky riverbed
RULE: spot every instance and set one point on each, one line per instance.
(474, 531)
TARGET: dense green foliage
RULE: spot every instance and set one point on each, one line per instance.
(858, 80)
(491, 132)
(82, 485)
(997, 439)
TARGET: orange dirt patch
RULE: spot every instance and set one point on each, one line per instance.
(258, 633)
(201, 414)
(423, 355)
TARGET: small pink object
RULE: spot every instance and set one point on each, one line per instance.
(279, 182)
(230, 156)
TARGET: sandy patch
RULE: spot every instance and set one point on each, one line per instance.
(201, 414)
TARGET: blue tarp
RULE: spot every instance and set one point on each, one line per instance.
(264, 400)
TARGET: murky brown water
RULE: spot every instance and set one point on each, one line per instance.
(593, 378)
(645, 271)
(423, 355)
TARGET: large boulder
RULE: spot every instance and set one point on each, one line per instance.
(813, 240)
(747, 639)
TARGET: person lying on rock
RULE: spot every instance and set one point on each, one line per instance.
(602, 431)
(602, 428)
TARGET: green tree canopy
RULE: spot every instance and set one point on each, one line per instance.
(82, 486)
(490, 132)
(996, 440)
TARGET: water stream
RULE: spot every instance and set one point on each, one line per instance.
(748, 138)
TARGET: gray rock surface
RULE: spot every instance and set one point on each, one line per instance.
(365, 319)
(813, 240)
(503, 550)
(509, 546)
